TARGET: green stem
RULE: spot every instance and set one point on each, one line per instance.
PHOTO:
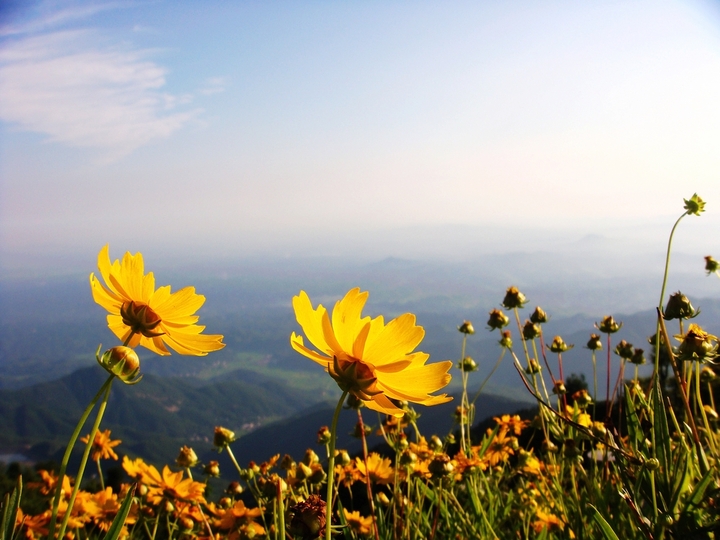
(331, 468)
(497, 364)
(232, 458)
(68, 451)
(100, 474)
(84, 460)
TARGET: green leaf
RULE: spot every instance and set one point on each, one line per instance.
(117, 524)
(11, 505)
(663, 449)
(605, 527)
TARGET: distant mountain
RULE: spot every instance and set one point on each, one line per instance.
(153, 418)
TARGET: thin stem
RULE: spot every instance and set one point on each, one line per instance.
(331, 468)
(232, 458)
(371, 502)
(100, 474)
(84, 460)
(68, 452)
(497, 364)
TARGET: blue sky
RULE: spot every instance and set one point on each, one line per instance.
(328, 127)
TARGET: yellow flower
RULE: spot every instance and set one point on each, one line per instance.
(358, 524)
(368, 358)
(240, 522)
(378, 469)
(143, 315)
(102, 446)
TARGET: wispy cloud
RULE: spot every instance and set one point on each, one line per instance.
(80, 90)
(213, 85)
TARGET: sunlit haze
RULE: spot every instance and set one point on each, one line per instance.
(413, 129)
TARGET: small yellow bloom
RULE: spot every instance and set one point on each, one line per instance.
(378, 469)
(143, 315)
(102, 446)
(368, 358)
(358, 524)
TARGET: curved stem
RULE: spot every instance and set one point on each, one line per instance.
(68, 451)
(84, 460)
(331, 468)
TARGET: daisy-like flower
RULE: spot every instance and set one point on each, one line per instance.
(102, 446)
(378, 469)
(143, 315)
(368, 358)
(358, 524)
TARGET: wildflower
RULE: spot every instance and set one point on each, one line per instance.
(711, 265)
(308, 518)
(142, 315)
(695, 205)
(511, 423)
(102, 446)
(582, 398)
(371, 360)
(378, 469)
(539, 316)
(608, 325)
(547, 521)
(239, 521)
(513, 299)
(497, 320)
(697, 344)
(187, 457)
(559, 346)
(500, 449)
(348, 474)
(362, 430)
(212, 469)
(559, 388)
(707, 375)
(466, 328)
(638, 357)
(533, 367)
(358, 524)
(679, 307)
(594, 343)
(171, 485)
(440, 466)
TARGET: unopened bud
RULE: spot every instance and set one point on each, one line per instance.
(638, 357)
(532, 367)
(624, 350)
(539, 316)
(323, 436)
(440, 466)
(123, 362)
(608, 325)
(436, 443)
(711, 265)
(342, 457)
(310, 457)
(506, 339)
(187, 457)
(362, 430)
(212, 469)
(559, 346)
(466, 328)
(514, 299)
(223, 437)
(530, 330)
(594, 343)
(695, 205)
(679, 307)
(497, 320)
(234, 488)
(467, 364)
(559, 388)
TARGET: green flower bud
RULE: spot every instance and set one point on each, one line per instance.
(559, 388)
(440, 466)
(323, 436)
(608, 325)
(594, 343)
(624, 350)
(212, 469)
(532, 367)
(539, 316)
(123, 362)
(223, 437)
(638, 357)
(466, 328)
(506, 339)
(697, 345)
(513, 299)
(679, 307)
(711, 265)
(497, 320)
(530, 330)
(436, 443)
(559, 346)
(695, 205)
(467, 364)
(187, 457)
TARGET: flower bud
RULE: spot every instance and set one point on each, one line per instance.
(466, 328)
(624, 350)
(530, 330)
(362, 430)
(608, 325)
(383, 499)
(652, 464)
(123, 362)
(234, 489)
(559, 346)
(549, 446)
(697, 345)
(638, 357)
(402, 442)
(225, 502)
(707, 375)
(436, 443)
(711, 413)
(594, 343)
(323, 436)
(303, 471)
(582, 398)
(599, 430)
(711, 265)
(169, 507)
(679, 307)
(497, 320)
(450, 439)
(342, 457)
(287, 463)
(467, 364)
(559, 388)
(408, 457)
(506, 339)
(186, 523)
(532, 367)
(223, 437)
(539, 316)
(212, 469)
(694, 206)
(187, 457)
(310, 457)
(513, 299)
(440, 466)
(318, 475)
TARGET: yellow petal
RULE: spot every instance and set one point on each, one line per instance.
(311, 321)
(417, 382)
(346, 321)
(396, 340)
(297, 343)
(382, 404)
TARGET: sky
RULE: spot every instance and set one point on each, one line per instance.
(382, 128)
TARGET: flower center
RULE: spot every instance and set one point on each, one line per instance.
(140, 318)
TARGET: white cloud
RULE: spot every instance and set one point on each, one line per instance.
(213, 85)
(79, 91)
